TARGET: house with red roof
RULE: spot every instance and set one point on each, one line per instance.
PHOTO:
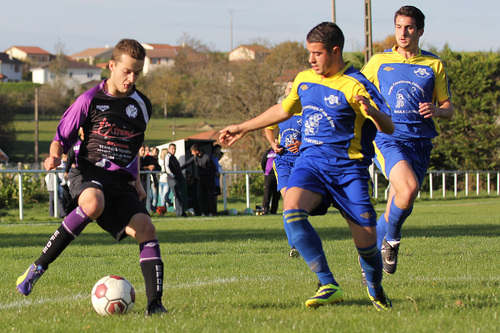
(32, 55)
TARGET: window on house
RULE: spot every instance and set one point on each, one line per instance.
(70, 74)
(90, 75)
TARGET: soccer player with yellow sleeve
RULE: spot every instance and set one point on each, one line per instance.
(341, 113)
(414, 83)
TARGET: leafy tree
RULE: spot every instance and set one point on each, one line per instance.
(7, 130)
(471, 140)
(385, 44)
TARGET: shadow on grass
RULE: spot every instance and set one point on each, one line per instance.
(210, 235)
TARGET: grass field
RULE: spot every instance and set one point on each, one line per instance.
(233, 274)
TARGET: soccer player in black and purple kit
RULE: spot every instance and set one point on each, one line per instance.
(105, 185)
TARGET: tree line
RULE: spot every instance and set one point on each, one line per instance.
(206, 84)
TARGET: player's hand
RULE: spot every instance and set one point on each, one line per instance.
(295, 146)
(428, 110)
(277, 148)
(365, 104)
(230, 134)
(51, 163)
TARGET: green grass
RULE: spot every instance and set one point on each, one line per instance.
(233, 274)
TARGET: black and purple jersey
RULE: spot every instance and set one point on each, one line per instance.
(113, 129)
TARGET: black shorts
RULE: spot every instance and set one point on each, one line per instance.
(121, 201)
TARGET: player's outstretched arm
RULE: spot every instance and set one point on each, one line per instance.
(232, 133)
(382, 121)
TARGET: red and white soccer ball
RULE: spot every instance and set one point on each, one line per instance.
(113, 295)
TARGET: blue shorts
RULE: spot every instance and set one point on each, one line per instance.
(416, 152)
(283, 170)
(351, 193)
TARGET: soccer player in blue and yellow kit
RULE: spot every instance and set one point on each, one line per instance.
(287, 147)
(412, 82)
(341, 113)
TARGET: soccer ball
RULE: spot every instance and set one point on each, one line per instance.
(113, 295)
(248, 211)
(233, 212)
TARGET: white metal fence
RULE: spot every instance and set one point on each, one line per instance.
(438, 181)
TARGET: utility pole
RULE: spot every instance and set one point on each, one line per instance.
(333, 11)
(36, 126)
(368, 30)
(231, 11)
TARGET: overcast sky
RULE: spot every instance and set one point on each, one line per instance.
(77, 25)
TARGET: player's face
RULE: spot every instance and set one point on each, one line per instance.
(321, 60)
(171, 150)
(124, 73)
(406, 33)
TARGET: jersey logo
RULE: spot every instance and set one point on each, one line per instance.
(422, 72)
(332, 101)
(366, 215)
(131, 111)
(402, 96)
(102, 107)
(312, 124)
(304, 87)
(388, 68)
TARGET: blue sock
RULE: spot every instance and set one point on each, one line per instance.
(397, 217)
(381, 230)
(288, 232)
(308, 243)
(371, 262)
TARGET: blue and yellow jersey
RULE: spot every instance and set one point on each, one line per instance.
(336, 129)
(289, 130)
(405, 83)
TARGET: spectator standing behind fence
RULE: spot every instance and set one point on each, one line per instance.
(147, 163)
(415, 84)
(163, 188)
(205, 179)
(272, 196)
(175, 179)
(154, 152)
(216, 156)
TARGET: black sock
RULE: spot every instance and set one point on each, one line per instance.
(56, 244)
(152, 271)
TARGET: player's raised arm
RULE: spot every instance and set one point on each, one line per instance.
(232, 133)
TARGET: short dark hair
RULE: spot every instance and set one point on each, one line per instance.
(412, 12)
(172, 144)
(128, 46)
(195, 147)
(327, 33)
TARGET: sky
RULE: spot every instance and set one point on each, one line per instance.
(74, 26)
